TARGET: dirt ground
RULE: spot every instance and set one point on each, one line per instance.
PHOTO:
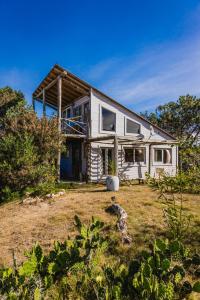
(22, 225)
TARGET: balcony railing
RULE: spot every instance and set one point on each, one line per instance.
(74, 125)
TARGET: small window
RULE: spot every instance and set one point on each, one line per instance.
(132, 127)
(108, 120)
(77, 111)
(158, 155)
(134, 154)
(68, 113)
(86, 111)
(139, 154)
(128, 155)
(163, 156)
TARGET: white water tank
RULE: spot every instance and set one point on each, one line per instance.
(112, 183)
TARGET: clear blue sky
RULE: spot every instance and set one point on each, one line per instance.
(143, 53)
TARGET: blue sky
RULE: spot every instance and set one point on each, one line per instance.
(143, 53)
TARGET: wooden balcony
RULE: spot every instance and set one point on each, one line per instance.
(74, 126)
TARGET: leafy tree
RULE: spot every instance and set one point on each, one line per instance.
(9, 98)
(180, 118)
(28, 144)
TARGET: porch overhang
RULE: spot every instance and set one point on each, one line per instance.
(125, 140)
(72, 87)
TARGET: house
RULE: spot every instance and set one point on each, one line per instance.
(101, 133)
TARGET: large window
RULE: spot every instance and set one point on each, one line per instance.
(132, 127)
(108, 120)
(163, 156)
(135, 155)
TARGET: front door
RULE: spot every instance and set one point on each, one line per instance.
(71, 164)
(76, 160)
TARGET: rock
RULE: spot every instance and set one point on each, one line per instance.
(30, 201)
(121, 222)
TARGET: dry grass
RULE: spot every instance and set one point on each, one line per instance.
(21, 225)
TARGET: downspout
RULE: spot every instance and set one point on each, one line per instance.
(149, 166)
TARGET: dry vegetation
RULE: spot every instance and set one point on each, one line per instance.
(22, 225)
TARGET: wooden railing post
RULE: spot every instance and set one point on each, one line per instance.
(116, 154)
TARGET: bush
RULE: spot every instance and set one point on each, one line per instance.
(28, 146)
(185, 182)
(77, 269)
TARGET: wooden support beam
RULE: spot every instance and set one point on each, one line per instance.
(116, 155)
(101, 138)
(47, 87)
(44, 103)
(59, 86)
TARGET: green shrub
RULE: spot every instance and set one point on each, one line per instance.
(77, 269)
(28, 146)
(185, 182)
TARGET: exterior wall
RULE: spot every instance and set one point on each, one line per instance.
(126, 170)
(98, 101)
(169, 169)
(131, 170)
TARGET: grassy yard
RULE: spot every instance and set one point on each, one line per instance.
(22, 225)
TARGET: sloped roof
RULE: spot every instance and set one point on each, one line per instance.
(72, 88)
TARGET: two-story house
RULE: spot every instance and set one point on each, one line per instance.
(100, 132)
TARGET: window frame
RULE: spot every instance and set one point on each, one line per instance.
(105, 163)
(161, 162)
(134, 162)
(101, 120)
(129, 133)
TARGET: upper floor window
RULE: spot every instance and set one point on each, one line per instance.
(108, 120)
(163, 156)
(77, 111)
(132, 127)
(86, 110)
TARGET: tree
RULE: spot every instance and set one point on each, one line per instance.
(10, 98)
(28, 144)
(180, 118)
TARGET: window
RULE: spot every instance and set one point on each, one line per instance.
(128, 155)
(107, 158)
(86, 110)
(108, 120)
(163, 156)
(158, 155)
(77, 111)
(139, 154)
(132, 127)
(135, 155)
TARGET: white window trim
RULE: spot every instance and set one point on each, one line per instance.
(101, 119)
(125, 127)
(161, 163)
(134, 163)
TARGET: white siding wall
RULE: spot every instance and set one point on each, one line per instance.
(129, 170)
(98, 101)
